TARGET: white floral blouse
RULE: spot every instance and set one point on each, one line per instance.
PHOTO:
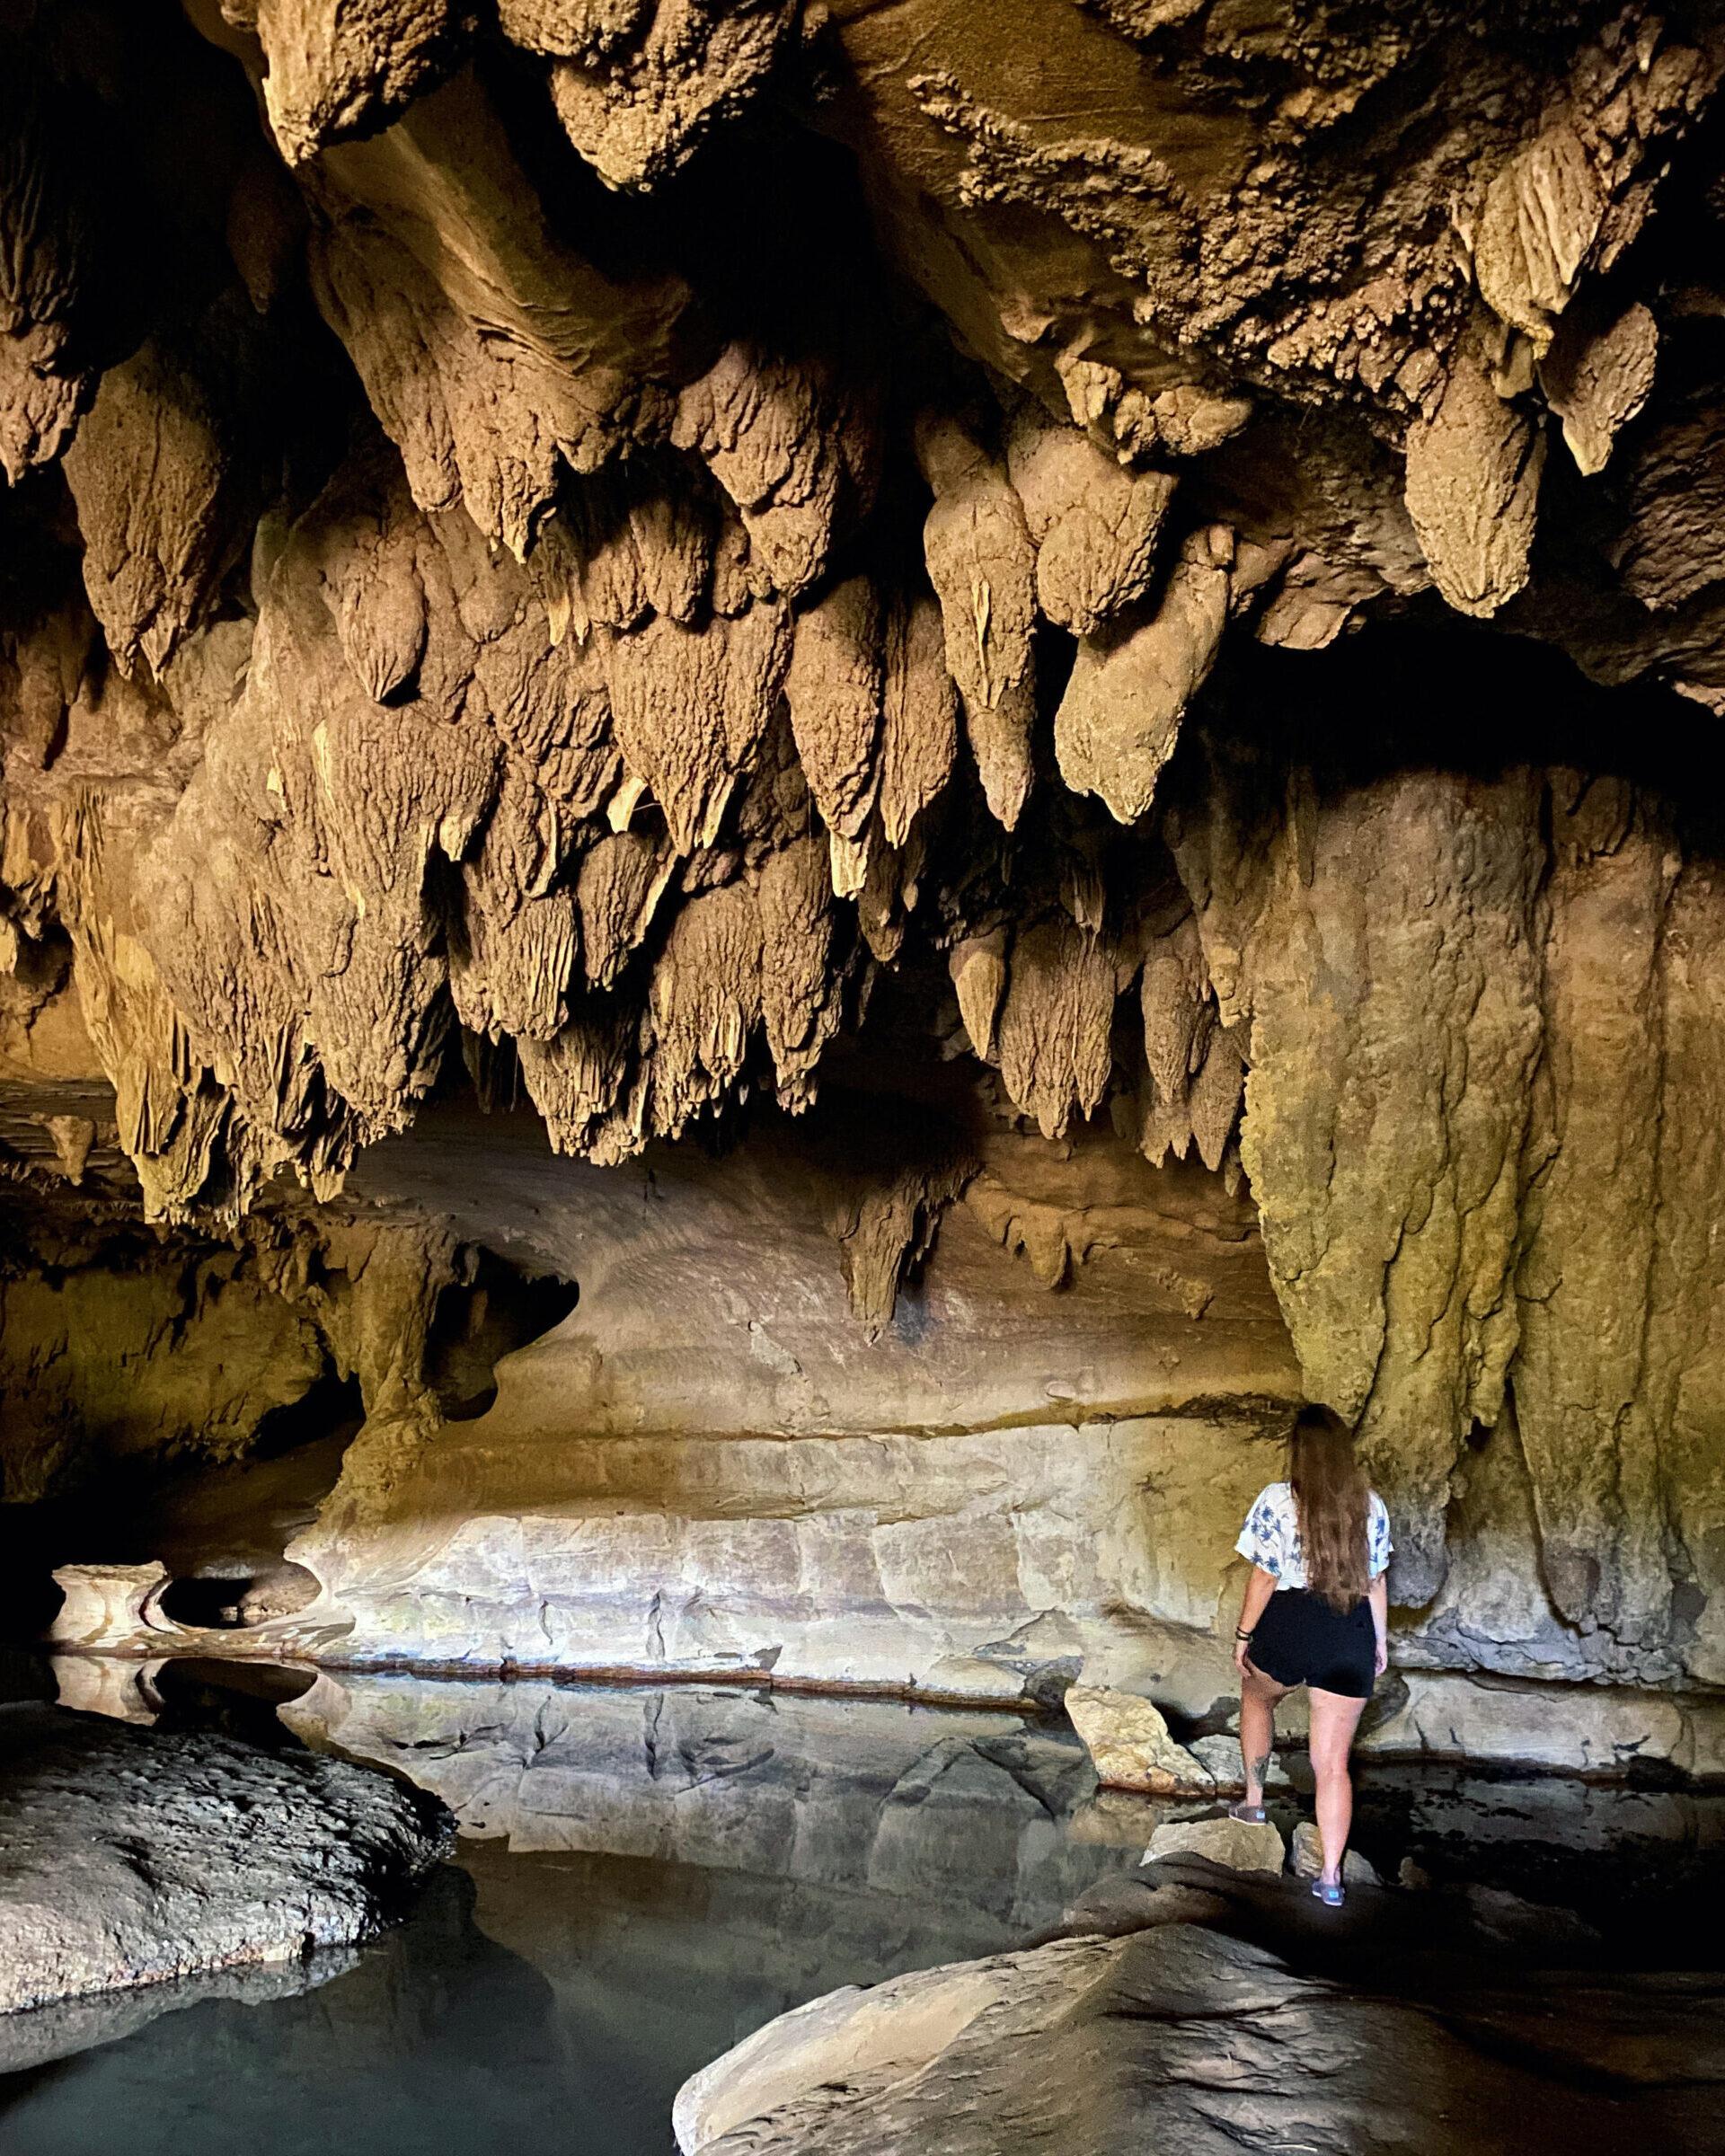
(1270, 1537)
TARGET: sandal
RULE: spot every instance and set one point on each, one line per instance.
(1251, 1814)
(1331, 1894)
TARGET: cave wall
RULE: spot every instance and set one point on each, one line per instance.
(1168, 560)
(709, 1466)
(182, 1401)
(114, 1354)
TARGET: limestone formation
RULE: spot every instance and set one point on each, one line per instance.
(252, 1856)
(1120, 718)
(107, 1605)
(1474, 471)
(1107, 569)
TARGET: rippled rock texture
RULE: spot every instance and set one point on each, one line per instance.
(1181, 2035)
(709, 565)
(128, 1857)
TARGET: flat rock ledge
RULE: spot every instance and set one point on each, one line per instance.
(131, 1856)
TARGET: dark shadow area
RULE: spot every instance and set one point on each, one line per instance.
(498, 1308)
(220, 1527)
(212, 1602)
(235, 1698)
(1431, 691)
(332, 1405)
(30, 1598)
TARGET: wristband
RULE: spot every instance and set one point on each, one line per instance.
(1240, 1635)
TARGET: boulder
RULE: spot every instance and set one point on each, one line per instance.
(1240, 1844)
(1128, 1741)
(1219, 1756)
(131, 1856)
(1510, 1919)
(1306, 1853)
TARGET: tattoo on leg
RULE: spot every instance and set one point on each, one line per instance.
(1257, 1768)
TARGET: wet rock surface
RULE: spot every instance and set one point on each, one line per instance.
(1221, 2011)
(130, 1856)
(649, 1873)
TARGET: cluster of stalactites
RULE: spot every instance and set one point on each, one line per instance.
(596, 705)
(650, 805)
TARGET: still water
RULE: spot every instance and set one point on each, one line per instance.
(646, 1876)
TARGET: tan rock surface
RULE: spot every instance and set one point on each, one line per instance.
(1239, 1844)
(901, 592)
(1128, 1742)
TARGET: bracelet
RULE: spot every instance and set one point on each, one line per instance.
(1240, 1635)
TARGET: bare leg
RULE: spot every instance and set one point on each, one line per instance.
(1258, 1698)
(1334, 1719)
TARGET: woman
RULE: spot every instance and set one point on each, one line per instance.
(1315, 1613)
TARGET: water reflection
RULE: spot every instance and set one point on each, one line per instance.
(435, 2042)
(964, 1819)
(646, 1875)
(39, 2035)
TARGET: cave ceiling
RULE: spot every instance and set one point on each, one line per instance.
(1170, 547)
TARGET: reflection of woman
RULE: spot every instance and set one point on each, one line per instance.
(1314, 1613)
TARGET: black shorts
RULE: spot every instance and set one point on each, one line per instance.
(1301, 1641)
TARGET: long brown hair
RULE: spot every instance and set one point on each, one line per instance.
(1333, 1498)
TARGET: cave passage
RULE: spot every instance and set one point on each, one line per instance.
(799, 803)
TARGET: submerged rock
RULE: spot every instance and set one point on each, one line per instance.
(128, 1856)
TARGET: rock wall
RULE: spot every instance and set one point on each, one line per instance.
(1481, 1159)
(709, 1466)
(1032, 1469)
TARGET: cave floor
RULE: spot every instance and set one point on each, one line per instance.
(644, 1876)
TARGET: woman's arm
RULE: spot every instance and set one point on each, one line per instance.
(1260, 1587)
(1379, 1598)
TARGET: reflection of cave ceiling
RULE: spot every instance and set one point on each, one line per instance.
(607, 536)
